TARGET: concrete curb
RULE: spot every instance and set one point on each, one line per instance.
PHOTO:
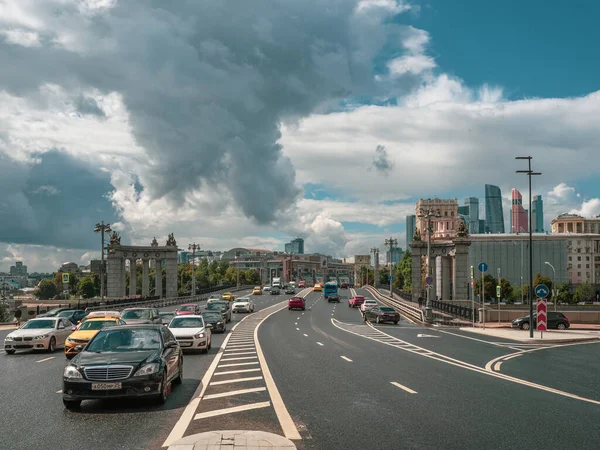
(534, 340)
(233, 439)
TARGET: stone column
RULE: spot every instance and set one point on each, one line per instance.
(461, 270)
(132, 277)
(434, 274)
(145, 278)
(123, 278)
(445, 277)
(171, 280)
(158, 285)
(418, 249)
(113, 276)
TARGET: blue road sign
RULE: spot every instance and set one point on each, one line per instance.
(429, 280)
(391, 277)
(541, 291)
(483, 267)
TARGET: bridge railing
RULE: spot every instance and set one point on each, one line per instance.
(409, 311)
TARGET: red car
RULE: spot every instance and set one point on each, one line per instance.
(188, 309)
(356, 301)
(301, 284)
(296, 303)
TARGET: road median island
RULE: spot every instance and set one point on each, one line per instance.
(546, 337)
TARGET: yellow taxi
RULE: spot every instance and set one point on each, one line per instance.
(318, 287)
(87, 329)
(228, 296)
(257, 291)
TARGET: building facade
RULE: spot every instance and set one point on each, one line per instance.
(574, 223)
(443, 227)
(518, 215)
(494, 215)
(411, 224)
(69, 267)
(537, 214)
(296, 246)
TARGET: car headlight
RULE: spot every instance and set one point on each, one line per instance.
(41, 336)
(71, 372)
(8, 338)
(147, 369)
(199, 335)
(70, 340)
(219, 323)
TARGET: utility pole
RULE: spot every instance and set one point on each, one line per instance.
(392, 243)
(102, 228)
(237, 268)
(375, 252)
(427, 214)
(530, 173)
(193, 247)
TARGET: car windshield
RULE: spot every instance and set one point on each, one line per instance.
(257, 288)
(242, 300)
(38, 324)
(53, 311)
(125, 340)
(187, 322)
(387, 309)
(211, 317)
(66, 313)
(136, 314)
(96, 324)
(216, 306)
(187, 308)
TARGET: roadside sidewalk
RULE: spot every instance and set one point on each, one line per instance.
(12, 326)
(233, 440)
(574, 326)
(546, 337)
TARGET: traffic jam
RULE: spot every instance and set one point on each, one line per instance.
(138, 352)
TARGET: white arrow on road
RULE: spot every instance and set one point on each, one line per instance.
(426, 336)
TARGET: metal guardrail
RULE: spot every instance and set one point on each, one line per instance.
(407, 310)
(163, 302)
(462, 312)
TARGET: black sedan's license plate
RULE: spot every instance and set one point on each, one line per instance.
(105, 386)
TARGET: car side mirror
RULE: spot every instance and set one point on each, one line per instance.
(172, 344)
(208, 325)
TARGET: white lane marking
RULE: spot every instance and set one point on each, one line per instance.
(332, 314)
(320, 344)
(239, 364)
(306, 335)
(238, 392)
(188, 413)
(238, 359)
(233, 348)
(404, 388)
(297, 318)
(242, 342)
(302, 313)
(426, 336)
(296, 323)
(240, 353)
(59, 392)
(46, 359)
(346, 358)
(497, 366)
(297, 329)
(236, 380)
(221, 412)
(285, 420)
(229, 372)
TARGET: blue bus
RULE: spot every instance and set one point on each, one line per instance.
(331, 292)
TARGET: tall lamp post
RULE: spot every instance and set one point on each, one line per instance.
(102, 228)
(237, 269)
(529, 173)
(427, 214)
(193, 247)
(375, 252)
(554, 290)
(392, 243)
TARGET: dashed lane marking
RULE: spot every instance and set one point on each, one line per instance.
(235, 380)
(232, 393)
(345, 358)
(239, 364)
(46, 359)
(404, 388)
(320, 344)
(220, 412)
(241, 353)
(306, 335)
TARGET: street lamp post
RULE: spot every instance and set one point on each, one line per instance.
(554, 290)
(237, 269)
(392, 243)
(102, 228)
(530, 173)
(375, 252)
(193, 247)
(428, 213)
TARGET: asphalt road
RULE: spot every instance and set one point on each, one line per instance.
(34, 416)
(345, 385)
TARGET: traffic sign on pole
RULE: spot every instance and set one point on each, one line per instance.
(542, 314)
(429, 281)
(391, 277)
(498, 291)
(541, 291)
(483, 267)
(65, 278)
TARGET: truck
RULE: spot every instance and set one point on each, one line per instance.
(276, 282)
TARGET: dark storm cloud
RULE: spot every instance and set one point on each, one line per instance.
(207, 84)
(381, 161)
(55, 200)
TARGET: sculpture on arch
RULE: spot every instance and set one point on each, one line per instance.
(154, 242)
(171, 240)
(417, 235)
(462, 231)
(115, 239)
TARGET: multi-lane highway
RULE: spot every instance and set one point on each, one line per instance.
(329, 381)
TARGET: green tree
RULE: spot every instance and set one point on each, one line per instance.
(73, 283)
(384, 276)
(86, 287)
(584, 292)
(405, 269)
(46, 289)
(489, 287)
(563, 293)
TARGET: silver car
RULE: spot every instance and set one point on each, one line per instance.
(45, 333)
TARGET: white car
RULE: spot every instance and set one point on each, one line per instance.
(368, 304)
(43, 333)
(243, 304)
(191, 332)
(267, 288)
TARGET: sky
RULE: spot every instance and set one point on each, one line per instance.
(234, 126)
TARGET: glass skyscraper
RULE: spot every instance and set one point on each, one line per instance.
(494, 216)
(411, 224)
(537, 214)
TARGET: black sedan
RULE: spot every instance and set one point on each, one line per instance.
(555, 320)
(381, 314)
(220, 307)
(74, 315)
(124, 361)
(275, 290)
(216, 320)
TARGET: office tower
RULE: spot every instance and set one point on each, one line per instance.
(494, 216)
